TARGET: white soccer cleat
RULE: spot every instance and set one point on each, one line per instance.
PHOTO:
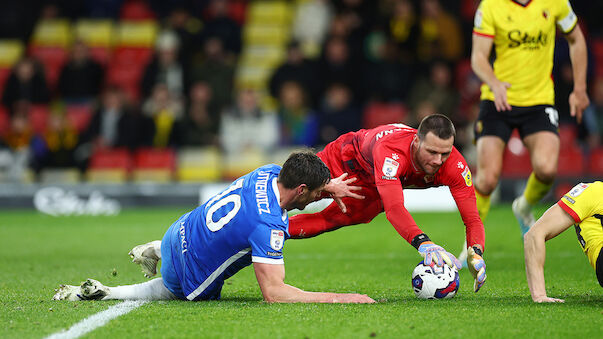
(68, 292)
(147, 257)
(523, 213)
(93, 290)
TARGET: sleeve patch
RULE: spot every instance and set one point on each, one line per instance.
(467, 176)
(477, 20)
(577, 190)
(390, 167)
(277, 238)
(567, 23)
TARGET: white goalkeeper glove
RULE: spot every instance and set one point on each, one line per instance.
(477, 266)
(437, 254)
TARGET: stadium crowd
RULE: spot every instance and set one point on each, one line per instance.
(346, 65)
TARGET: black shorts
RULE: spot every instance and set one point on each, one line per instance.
(527, 120)
(599, 266)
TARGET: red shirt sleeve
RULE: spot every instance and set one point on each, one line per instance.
(457, 176)
(393, 204)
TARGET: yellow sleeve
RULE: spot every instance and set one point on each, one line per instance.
(483, 23)
(582, 200)
(565, 16)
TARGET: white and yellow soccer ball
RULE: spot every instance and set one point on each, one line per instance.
(434, 282)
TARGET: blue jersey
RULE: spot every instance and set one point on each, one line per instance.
(242, 224)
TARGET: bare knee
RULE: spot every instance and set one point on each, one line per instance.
(486, 182)
(546, 172)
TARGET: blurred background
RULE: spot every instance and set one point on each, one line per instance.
(150, 102)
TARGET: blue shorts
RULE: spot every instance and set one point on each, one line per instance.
(172, 265)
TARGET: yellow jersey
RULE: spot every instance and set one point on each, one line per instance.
(584, 203)
(524, 40)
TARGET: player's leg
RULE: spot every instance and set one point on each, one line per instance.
(147, 256)
(599, 267)
(490, 150)
(94, 290)
(331, 218)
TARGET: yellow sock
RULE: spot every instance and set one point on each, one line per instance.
(535, 190)
(483, 205)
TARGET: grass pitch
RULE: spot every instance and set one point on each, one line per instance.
(37, 253)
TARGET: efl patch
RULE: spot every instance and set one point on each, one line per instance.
(467, 176)
(577, 190)
(390, 167)
(277, 238)
(477, 21)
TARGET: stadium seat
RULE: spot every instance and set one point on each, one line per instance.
(38, 118)
(136, 10)
(378, 113)
(597, 50)
(562, 187)
(278, 12)
(52, 33)
(60, 176)
(95, 32)
(133, 56)
(266, 34)
(4, 74)
(236, 165)
(568, 136)
(154, 164)
(10, 52)
(516, 159)
(109, 166)
(571, 162)
(199, 164)
(595, 163)
(4, 121)
(53, 58)
(78, 116)
(102, 55)
(136, 33)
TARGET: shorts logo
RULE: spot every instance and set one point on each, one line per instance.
(479, 127)
(277, 238)
(577, 190)
(467, 176)
(390, 167)
(553, 115)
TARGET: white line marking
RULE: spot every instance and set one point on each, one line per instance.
(97, 320)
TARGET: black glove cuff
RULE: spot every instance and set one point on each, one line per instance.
(419, 239)
(478, 251)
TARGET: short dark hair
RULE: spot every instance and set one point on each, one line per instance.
(304, 167)
(438, 124)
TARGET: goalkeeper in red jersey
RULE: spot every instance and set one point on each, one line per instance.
(386, 159)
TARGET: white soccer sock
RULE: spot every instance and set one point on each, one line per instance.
(150, 290)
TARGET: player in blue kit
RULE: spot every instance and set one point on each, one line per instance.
(244, 224)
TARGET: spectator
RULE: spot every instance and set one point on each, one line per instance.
(166, 68)
(440, 36)
(200, 125)
(310, 25)
(164, 111)
(217, 71)
(81, 76)
(338, 113)
(299, 124)
(245, 126)
(295, 69)
(385, 77)
(337, 67)
(56, 147)
(404, 30)
(188, 30)
(220, 25)
(26, 82)
(436, 89)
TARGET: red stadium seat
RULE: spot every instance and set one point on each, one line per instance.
(111, 159)
(597, 50)
(38, 118)
(595, 163)
(79, 116)
(377, 114)
(136, 10)
(4, 121)
(134, 56)
(562, 188)
(102, 55)
(516, 165)
(4, 74)
(568, 135)
(571, 162)
(53, 58)
(154, 164)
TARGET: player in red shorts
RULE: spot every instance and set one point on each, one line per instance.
(387, 159)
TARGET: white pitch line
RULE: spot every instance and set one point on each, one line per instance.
(97, 320)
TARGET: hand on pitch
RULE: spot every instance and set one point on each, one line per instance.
(340, 188)
(477, 267)
(438, 255)
(545, 299)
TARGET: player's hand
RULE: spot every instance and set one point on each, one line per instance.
(499, 89)
(437, 254)
(354, 298)
(477, 267)
(578, 102)
(340, 188)
(545, 299)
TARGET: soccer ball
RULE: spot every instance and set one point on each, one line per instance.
(433, 282)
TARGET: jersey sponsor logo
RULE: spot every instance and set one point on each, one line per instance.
(274, 254)
(467, 176)
(183, 243)
(524, 40)
(390, 167)
(277, 238)
(577, 190)
(261, 192)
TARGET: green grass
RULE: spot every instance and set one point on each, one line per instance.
(39, 252)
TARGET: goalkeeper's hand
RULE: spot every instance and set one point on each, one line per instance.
(437, 254)
(477, 267)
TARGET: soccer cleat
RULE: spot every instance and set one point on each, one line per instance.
(93, 290)
(523, 213)
(68, 292)
(146, 256)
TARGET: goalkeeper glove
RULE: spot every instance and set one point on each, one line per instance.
(437, 254)
(477, 267)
